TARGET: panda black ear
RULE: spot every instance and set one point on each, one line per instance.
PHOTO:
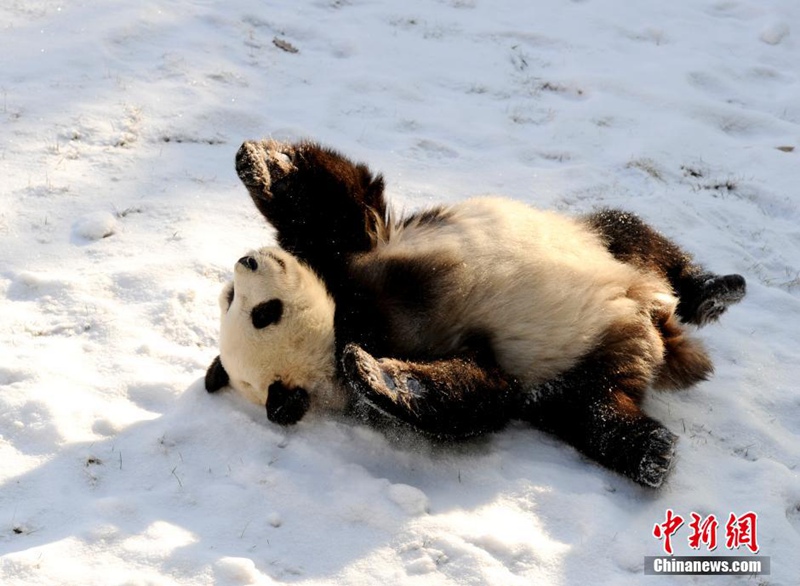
(286, 406)
(216, 376)
(267, 313)
(229, 297)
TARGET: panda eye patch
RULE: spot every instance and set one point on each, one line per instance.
(230, 297)
(267, 313)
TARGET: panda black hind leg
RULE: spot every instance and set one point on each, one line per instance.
(611, 430)
(595, 407)
(447, 398)
(703, 296)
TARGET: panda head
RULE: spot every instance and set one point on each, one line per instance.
(276, 337)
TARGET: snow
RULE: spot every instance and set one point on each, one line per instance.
(96, 225)
(122, 216)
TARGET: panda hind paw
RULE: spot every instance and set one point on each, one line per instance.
(659, 455)
(716, 294)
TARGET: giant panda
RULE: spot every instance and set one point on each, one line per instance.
(458, 318)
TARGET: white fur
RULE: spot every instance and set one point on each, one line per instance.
(298, 350)
(543, 285)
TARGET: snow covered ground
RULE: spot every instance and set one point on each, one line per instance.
(121, 216)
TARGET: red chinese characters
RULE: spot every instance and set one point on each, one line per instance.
(741, 531)
(667, 529)
(703, 531)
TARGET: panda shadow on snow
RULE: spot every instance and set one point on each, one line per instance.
(461, 318)
(176, 469)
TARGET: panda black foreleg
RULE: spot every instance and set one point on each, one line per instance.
(323, 206)
(448, 398)
(703, 296)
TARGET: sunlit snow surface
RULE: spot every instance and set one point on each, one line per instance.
(121, 217)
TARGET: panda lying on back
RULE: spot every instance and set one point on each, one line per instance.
(460, 318)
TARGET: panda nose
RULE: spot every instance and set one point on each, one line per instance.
(249, 262)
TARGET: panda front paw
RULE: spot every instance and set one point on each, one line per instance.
(264, 167)
(286, 406)
(368, 378)
(448, 398)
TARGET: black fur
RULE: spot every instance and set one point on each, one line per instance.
(423, 393)
(437, 216)
(402, 292)
(216, 377)
(249, 262)
(323, 206)
(330, 212)
(267, 313)
(711, 296)
(230, 296)
(595, 407)
(703, 296)
(603, 424)
(286, 406)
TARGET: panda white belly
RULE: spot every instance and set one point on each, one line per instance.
(540, 287)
